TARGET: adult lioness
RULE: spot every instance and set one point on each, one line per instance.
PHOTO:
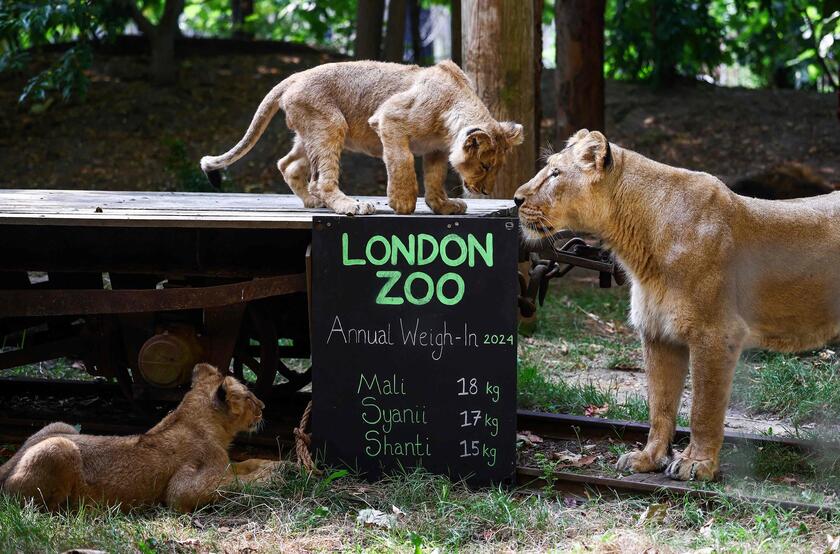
(712, 273)
(182, 461)
(389, 111)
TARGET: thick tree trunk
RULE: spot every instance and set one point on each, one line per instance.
(580, 66)
(239, 12)
(161, 37)
(455, 30)
(369, 17)
(498, 54)
(416, 42)
(395, 32)
(538, 68)
(164, 68)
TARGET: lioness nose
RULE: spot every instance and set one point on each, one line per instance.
(518, 200)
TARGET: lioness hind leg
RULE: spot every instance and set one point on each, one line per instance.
(295, 169)
(712, 370)
(666, 365)
(49, 472)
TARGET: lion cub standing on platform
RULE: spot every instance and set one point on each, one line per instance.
(181, 462)
(389, 111)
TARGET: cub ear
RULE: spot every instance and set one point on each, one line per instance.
(513, 133)
(221, 394)
(592, 151)
(203, 371)
(474, 138)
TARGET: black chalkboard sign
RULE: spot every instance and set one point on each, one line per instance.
(414, 344)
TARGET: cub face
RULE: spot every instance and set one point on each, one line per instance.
(234, 403)
(569, 192)
(478, 152)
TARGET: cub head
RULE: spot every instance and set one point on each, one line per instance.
(478, 152)
(230, 402)
(568, 193)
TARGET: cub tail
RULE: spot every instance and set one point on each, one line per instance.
(211, 165)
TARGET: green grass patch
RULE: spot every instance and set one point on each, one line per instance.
(538, 392)
(802, 388)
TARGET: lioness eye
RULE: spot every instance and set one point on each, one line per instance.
(485, 167)
(555, 173)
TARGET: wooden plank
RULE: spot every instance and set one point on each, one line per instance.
(183, 209)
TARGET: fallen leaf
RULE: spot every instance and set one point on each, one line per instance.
(833, 544)
(706, 530)
(528, 438)
(374, 518)
(396, 511)
(654, 512)
(570, 459)
(593, 410)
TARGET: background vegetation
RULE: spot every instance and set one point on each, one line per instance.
(755, 43)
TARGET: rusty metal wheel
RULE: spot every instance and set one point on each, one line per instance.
(258, 350)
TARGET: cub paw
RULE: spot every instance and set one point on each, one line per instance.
(639, 461)
(403, 205)
(348, 206)
(689, 469)
(451, 206)
(312, 202)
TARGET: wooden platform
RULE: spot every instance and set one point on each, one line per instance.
(184, 209)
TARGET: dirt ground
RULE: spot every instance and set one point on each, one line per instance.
(129, 135)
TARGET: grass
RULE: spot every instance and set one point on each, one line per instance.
(801, 388)
(299, 512)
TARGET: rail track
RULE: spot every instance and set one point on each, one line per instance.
(573, 455)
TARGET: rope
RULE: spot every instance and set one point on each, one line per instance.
(303, 442)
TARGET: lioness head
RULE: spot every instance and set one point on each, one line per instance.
(478, 152)
(233, 405)
(568, 193)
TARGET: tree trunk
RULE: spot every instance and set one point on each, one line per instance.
(498, 54)
(580, 66)
(239, 12)
(161, 37)
(538, 68)
(369, 17)
(455, 30)
(164, 68)
(395, 32)
(416, 42)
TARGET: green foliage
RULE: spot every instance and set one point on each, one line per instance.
(27, 25)
(660, 40)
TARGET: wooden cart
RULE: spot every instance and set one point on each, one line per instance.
(141, 286)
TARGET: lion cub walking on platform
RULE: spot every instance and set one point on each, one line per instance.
(389, 111)
(181, 462)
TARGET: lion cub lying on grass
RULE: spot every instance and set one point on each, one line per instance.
(181, 462)
(712, 273)
(387, 110)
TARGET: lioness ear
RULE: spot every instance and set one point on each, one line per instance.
(474, 138)
(513, 133)
(221, 394)
(576, 137)
(592, 152)
(202, 371)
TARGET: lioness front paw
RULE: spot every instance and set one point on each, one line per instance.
(689, 469)
(403, 204)
(449, 206)
(639, 461)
